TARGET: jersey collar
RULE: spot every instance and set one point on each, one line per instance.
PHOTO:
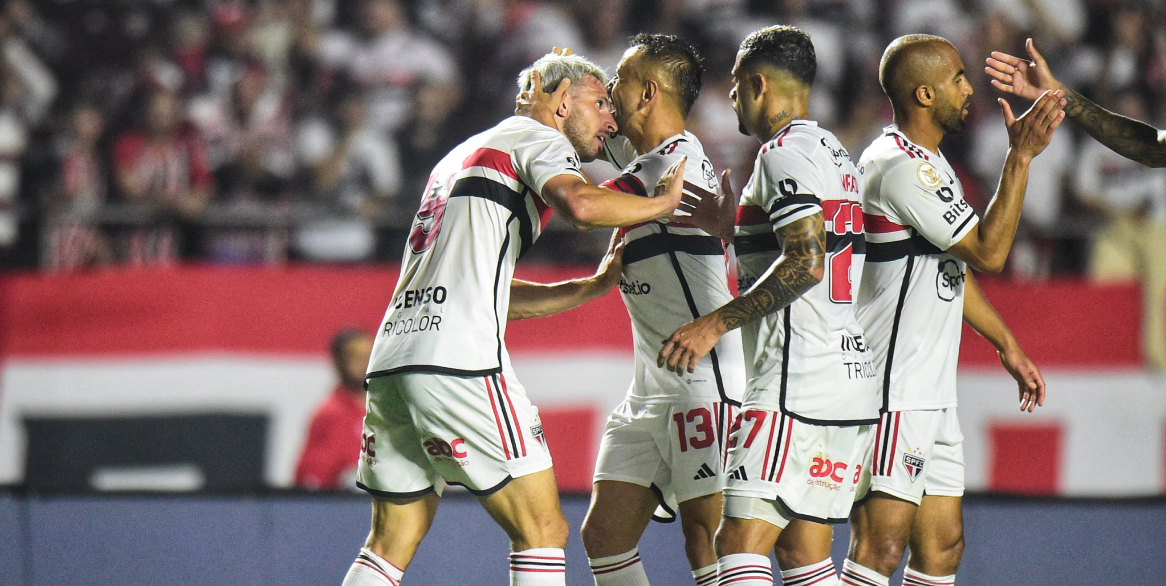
(894, 129)
(794, 122)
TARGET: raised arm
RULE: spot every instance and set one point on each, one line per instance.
(986, 246)
(800, 267)
(980, 314)
(530, 300)
(1127, 137)
(584, 205)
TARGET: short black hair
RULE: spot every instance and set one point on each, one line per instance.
(679, 60)
(782, 47)
(341, 341)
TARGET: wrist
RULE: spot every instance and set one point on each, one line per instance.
(1017, 158)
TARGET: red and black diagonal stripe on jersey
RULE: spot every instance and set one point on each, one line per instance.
(886, 440)
(510, 196)
(783, 427)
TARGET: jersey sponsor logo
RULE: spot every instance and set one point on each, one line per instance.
(856, 367)
(854, 343)
(739, 474)
(861, 369)
(823, 468)
(744, 282)
(442, 451)
(704, 472)
(928, 176)
(956, 210)
(836, 154)
(949, 280)
(634, 287)
(914, 462)
(418, 297)
(368, 451)
(710, 175)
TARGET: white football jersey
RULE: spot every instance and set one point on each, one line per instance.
(811, 360)
(481, 210)
(911, 299)
(674, 273)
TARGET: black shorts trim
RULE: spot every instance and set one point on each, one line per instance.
(486, 491)
(431, 369)
(663, 505)
(812, 519)
(394, 495)
(829, 422)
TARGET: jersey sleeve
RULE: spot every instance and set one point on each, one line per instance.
(915, 192)
(618, 151)
(543, 154)
(794, 186)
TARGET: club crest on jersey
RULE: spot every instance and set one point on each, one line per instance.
(928, 175)
(914, 464)
(536, 430)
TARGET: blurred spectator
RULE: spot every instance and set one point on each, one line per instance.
(356, 176)
(1132, 244)
(332, 448)
(162, 168)
(73, 240)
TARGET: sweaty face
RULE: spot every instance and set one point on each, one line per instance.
(626, 87)
(589, 122)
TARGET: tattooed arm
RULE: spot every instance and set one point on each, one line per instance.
(800, 267)
(1129, 138)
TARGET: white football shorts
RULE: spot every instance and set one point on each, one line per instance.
(916, 453)
(781, 469)
(677, 449)
(423, 430)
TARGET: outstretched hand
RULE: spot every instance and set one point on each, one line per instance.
(1028, 379)
(611, 266)
(1025, 79)
(1031, 133)
(714, 213)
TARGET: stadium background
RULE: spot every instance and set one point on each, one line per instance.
(164, 341)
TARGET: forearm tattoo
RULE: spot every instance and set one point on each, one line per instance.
(1129, 138)
(805, 251)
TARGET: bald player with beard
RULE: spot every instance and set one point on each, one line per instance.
(920, 236)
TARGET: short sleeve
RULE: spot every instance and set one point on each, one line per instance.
(793, 186)
(618, 151)
(916, 193)
(543, 154)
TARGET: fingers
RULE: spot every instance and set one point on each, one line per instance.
(999, 71)
(726, 184)
(1037, 58)
(562, 51)
(1009, 119)
(1009, 62)
(536, 82)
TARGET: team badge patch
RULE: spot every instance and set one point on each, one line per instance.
(928, 176)
(537, 431)
(914, 465)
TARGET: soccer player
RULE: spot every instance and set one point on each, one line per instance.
(921, 234)
(1129, 138)
(664, 443)
(811, 398)
(444, 406)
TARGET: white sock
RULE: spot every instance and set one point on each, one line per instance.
(856, 575)
(370, 569)
(544, 566)
(914, 578)
(706, 576)
(819, 574)
(623, 569)
(744, 569)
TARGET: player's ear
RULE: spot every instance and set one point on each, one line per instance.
(651, 90)
(924, 95)
(759, 84)
(565, 105)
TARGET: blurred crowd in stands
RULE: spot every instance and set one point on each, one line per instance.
(152, 132)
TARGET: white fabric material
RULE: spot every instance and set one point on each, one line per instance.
(481, 210)
(744, 569)
(369, 569)
(669, 289)
(854, 574)
(812, 471)
(914, 210)
(544, 566)
(829, 376)
(916, 453)
(819, 574)
(623, 569)
(916, 578)
(706, 576)
(422, 430)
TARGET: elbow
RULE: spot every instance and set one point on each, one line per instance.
(993, 265)
(579, 213)
(815, 274)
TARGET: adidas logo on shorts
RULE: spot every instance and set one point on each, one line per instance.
(739, 474)
(704, 472)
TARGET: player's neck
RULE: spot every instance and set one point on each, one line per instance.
(780, 112)
(657, 128)
(920, 129)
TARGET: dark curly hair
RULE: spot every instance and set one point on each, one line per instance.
(782, 47)
(679, 60)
